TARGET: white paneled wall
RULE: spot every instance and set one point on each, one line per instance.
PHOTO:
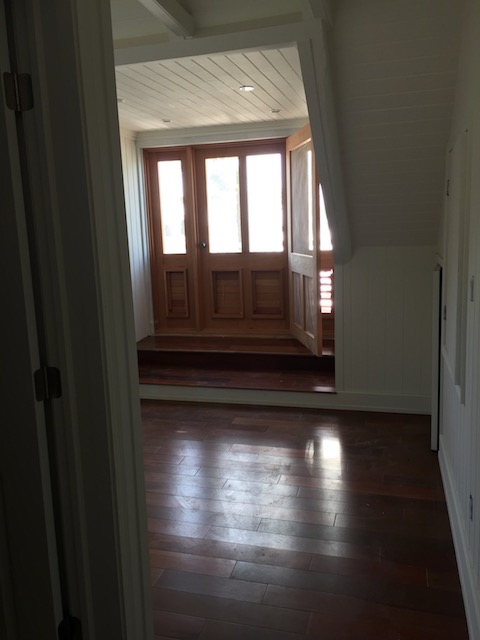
(383, 299)
(384, 317)
(137, 236)
(460, 412)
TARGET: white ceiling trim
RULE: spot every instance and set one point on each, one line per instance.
(173, 16)
(226, 133)
(257, 39)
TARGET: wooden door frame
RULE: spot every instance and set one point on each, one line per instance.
(197, 232)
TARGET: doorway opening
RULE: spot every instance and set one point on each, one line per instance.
(241, 267)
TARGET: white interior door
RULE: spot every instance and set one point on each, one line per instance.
(29, 587)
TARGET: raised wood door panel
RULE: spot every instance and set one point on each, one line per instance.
(174, 270)
(245, 294)
(303, 217)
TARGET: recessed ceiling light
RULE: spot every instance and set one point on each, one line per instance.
(166, 120)
(120, 100)
(275, 110)
(246, 87)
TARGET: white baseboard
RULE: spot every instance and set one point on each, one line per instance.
(471, 596)
(341, 400)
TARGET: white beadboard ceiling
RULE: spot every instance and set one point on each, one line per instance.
(204, 91)
(393, 63)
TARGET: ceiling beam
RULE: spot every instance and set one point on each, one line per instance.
(318, 9)
(173, 15)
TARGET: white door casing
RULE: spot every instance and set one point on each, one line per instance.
(77, 213)
(29, 584)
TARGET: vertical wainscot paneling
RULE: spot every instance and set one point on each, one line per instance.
(460, 400)
(386, 321)
(137, 237)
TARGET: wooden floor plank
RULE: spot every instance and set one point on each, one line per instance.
(228, 610)
(283, 524)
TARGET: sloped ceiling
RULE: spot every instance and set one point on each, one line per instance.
(393, 65)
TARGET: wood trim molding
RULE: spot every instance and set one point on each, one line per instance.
(218, 134)
(341, 400)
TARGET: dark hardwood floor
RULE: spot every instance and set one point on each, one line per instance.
(287, 524)
(234, 363)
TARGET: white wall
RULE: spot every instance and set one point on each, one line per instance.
(460, 413)
(383, 313)
(137, 236)
(383, 324)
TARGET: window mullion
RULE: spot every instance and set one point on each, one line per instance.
(243, 203)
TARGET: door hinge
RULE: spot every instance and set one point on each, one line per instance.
(472, 289)
(18, 91)
(448, 188)
(48, 384)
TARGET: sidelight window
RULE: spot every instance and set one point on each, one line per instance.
(170, 182)
(264, 201)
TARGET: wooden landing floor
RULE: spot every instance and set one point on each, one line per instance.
(283, 524)
(234, 363)
(216, 344)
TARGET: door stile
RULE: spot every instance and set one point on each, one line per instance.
(303, 219)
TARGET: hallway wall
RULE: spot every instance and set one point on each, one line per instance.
(137, 236)
(384, 321)
(460, 414)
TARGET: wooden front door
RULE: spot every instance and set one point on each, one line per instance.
(218, 239)
(242, 243)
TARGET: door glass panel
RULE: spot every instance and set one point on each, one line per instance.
(310, 200)
(302, 200)
(325, 237)
(264, 196)
(172, 208)
(223, 205)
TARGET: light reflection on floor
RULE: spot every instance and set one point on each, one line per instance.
(324, 452)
